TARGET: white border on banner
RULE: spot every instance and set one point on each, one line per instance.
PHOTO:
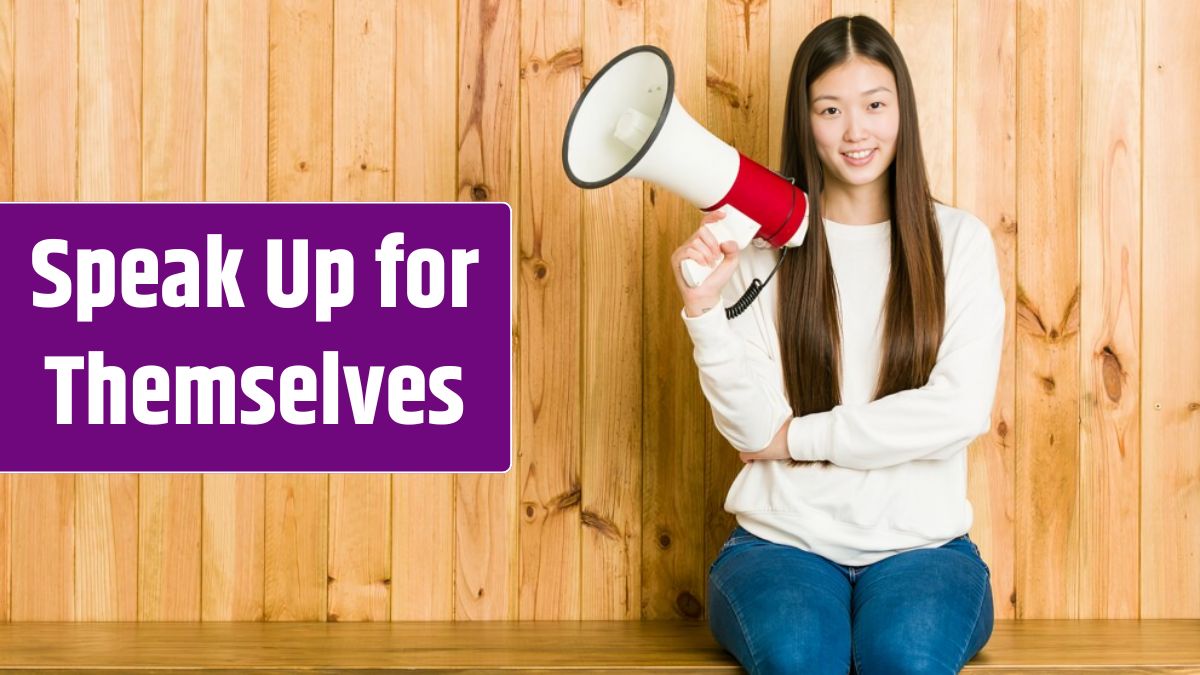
(508, 332)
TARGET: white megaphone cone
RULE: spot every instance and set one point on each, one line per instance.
(628, 123)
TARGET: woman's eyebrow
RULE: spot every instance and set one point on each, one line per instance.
(865, 93)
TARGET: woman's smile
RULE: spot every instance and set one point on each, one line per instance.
(860, 158)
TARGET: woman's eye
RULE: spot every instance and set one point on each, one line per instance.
(827, 110)
(878, 103)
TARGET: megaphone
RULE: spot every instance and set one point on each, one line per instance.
(627, 122)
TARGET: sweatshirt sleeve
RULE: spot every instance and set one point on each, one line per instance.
(739, 380)
(939, 419)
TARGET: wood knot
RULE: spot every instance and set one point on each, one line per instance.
(363, 166)
(1002, 428)
(303, 166)
(540, 270)
(653, 195)
(1111, 370)
(1012, 599)
(331, 617)
(1008, 225)
(329, 579)
(725, 89)
(571, 498)
(1193, 406)
(479, 192)
(386, 582)
(688, 605)
(529, 511)
(1047, 381)
(664, 541)
(567, 59)
(603, 526)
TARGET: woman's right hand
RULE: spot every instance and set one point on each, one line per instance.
(704, 249)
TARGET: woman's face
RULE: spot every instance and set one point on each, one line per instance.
(854, 107)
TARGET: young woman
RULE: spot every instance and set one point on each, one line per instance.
(852, 388)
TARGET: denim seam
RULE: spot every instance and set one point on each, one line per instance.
(741, 623)
(987, 578)
(854, 657)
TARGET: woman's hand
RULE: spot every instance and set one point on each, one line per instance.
(778, 448)
(704, 248)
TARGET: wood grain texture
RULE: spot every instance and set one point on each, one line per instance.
(791, 22)
(1170, 507)
(924, 29)
(1047, 309)
(43, 547)
(360, 563)
(174, 108)
(169, 547)
(485, 510)
(300, 101)
(738, 101)
(675, 414)
(611, 386)
(106, 547)
(425, 162)
(232, 547)
(986, 182)
(235, 150)
(548, 297)
(422, 547)
(545, 646)
(1110, 449)
(423, 505)
(364, 100)
(296, 545)
(7, 100)
(110, 100)
(44, 117)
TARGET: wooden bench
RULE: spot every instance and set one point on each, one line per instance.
(1149, 646)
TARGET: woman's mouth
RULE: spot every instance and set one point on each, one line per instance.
(860, 158)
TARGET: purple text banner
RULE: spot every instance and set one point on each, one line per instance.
(256, 337)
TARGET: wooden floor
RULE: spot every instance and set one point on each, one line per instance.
(589, 646)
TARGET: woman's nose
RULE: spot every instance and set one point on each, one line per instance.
(855, 131)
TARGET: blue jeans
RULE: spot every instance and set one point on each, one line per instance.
(781, 609)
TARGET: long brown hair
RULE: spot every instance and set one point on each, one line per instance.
(914, 307)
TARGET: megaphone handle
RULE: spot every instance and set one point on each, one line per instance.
(735, 226)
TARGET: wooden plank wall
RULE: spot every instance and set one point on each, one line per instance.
(1062, 124)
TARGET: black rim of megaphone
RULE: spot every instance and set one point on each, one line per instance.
(658, 125)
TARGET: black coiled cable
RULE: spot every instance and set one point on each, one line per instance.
(751, 293)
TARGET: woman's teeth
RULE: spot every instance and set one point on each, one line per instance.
(861, 154)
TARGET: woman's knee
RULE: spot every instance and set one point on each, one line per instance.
(894, 656)
(775, 624)
(810, 656)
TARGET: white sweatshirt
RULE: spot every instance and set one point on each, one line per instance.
(898, 479)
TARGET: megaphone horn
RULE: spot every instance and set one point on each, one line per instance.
(628, 122)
